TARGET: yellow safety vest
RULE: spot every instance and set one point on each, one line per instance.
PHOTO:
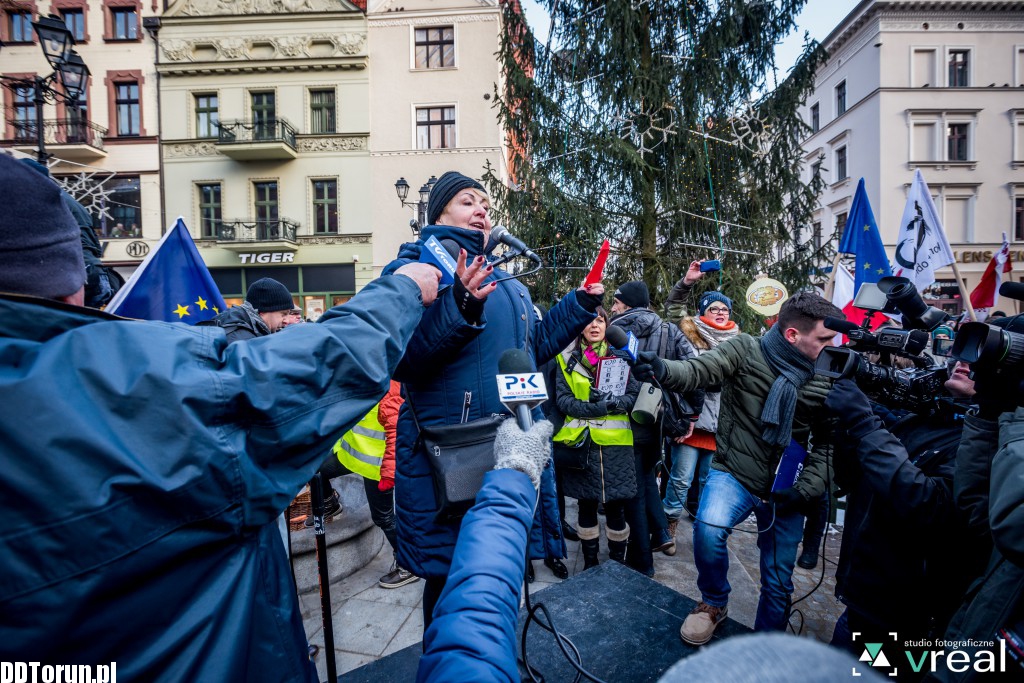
(361, 450)
(610, 430)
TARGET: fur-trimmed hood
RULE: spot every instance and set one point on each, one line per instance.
(689, 328)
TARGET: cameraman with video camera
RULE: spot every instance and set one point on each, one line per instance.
(989, 488)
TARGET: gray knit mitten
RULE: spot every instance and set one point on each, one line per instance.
(527, 452)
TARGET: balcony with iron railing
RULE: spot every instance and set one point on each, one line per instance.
(71, 139)
(257, 140)
(247, 231)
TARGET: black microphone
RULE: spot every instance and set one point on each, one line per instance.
(843, 326)
(1013, 290)
(517, 362)
(500, 234)
(619, 339)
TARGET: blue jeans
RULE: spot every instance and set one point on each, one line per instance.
(725, 503)
(686, 461)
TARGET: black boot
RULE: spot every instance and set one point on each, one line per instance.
(617, 542)
(589, 543)
(568, 532)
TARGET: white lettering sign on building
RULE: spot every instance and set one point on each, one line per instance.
(268, 257)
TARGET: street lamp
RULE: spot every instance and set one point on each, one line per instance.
(69, 70)
(402, 190)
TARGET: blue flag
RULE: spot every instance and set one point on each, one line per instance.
(862, 239)
(172, 284)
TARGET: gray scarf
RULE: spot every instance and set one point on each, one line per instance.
(794, 370)
(255, 319)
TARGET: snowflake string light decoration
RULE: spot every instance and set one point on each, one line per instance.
(90, 190)
(752, 131)
(643, 128)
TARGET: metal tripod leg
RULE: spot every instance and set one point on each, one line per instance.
(316, 495)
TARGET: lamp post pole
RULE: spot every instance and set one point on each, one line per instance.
(39, 99)
(402, 190)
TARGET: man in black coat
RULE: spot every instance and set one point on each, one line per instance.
(645, 514)
(907, 555)
(267, 307)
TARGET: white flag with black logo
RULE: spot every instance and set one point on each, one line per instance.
(922, 247)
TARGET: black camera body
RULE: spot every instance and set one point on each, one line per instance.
(916, 389)
(993, 348)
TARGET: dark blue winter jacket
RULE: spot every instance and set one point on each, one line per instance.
(450, 366)
(144, 465)
(473, 635)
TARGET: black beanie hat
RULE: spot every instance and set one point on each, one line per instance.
(444, 190)
(40, 243)
(634, 294)
(267, 295)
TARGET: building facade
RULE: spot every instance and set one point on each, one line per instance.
(105, 148)
(932, 86)
(433, 73)
(266, 113)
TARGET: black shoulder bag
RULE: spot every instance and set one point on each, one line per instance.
(460, 455)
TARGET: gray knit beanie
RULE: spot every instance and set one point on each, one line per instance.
(40, 243)
(267, 295)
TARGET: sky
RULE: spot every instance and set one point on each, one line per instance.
(818, 17)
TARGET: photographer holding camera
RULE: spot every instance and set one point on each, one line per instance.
(988, 487)
(907, 555)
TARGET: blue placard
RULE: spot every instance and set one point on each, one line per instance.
(790, 466)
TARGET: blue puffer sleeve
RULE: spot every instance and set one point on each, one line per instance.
(473, 634)
(288, 396)
(559, 328)
(441, 335)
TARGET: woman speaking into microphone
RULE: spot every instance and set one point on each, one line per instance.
(449, 371)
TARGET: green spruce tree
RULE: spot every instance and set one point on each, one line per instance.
(665, 127)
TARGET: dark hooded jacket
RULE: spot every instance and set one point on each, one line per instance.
(648, 329)
(449, 369)
(239, 323)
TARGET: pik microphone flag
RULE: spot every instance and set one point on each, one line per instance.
(862, 239)
(922, 247)
(172, 284)
(986, 295)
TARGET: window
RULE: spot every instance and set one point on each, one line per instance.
(74, 19)
(264, 115)
(210, 215)
(207, 116)
(435, 47)
(1018, 219)
(127, 103)
(19, 27)
(325, 206)
(841, 99)
(815, 170)
(435, 128)
(957, 220)
(815, 117)
(124, 206)
(841, 164)
(126, 23)
(78, 120)
(816, 235)
(956, 141)
(958, 66)
(321, 111)
(24, 114)
(924, 68)
(267, 219)
(840, 225)
(924, 142)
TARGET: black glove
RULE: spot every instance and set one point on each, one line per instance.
(589, 301)
(851, 408)
(621, 404)
(596, 395)
(649, 367)
(787, 500)
(471, 308)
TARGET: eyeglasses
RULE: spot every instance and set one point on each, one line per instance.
(717, 310)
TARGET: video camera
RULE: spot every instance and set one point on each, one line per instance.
(993, 348)
(916, 389)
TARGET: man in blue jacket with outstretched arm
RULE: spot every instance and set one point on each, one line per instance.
(145, 462)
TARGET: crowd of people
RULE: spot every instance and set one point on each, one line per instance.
(144, 491)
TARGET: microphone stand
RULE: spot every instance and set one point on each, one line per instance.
(316, 496)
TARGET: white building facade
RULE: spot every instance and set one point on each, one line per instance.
(932, 86)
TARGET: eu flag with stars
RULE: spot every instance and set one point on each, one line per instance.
(861, 238)
(172, 284)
